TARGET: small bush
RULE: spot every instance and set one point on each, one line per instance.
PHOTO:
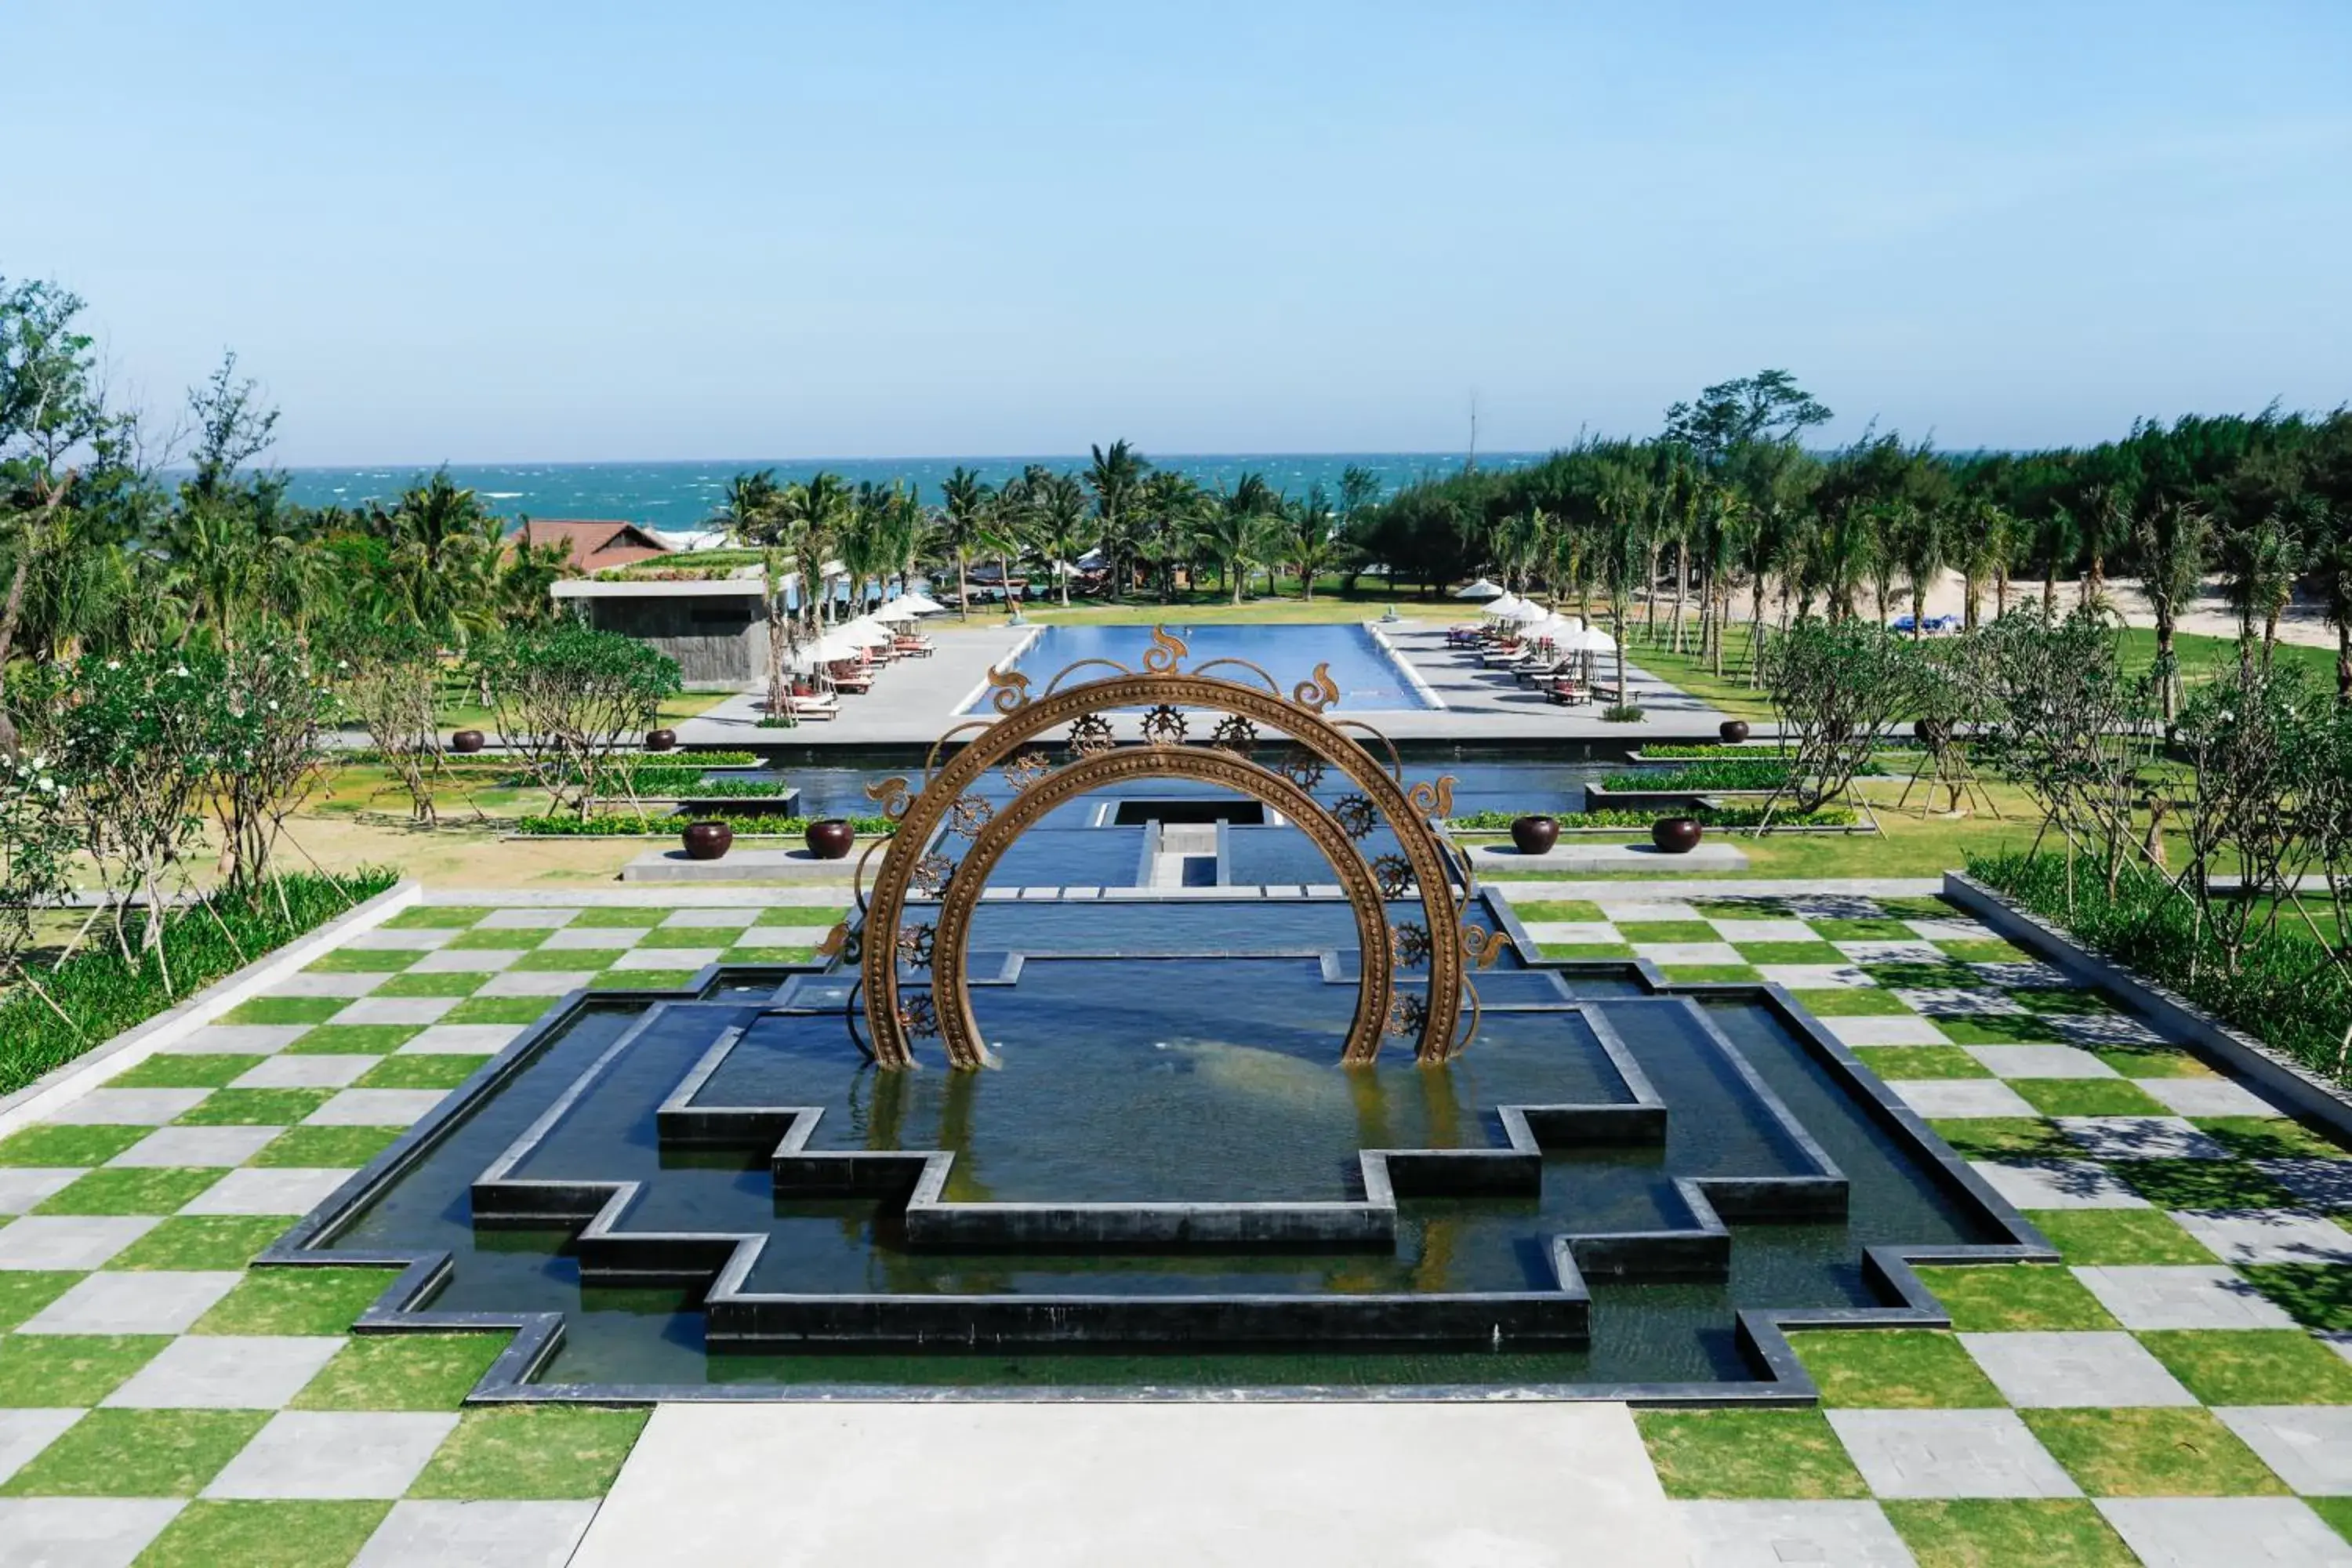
(1620, 713)
(1615, 817)
(612, 823)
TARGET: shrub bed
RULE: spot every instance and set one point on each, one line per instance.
(1711, 816)
(2284, 990)
(103, 996)
(624, 824)
(1719, 772)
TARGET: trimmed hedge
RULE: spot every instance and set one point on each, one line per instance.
(609, 823)
(1618, 817)
(2286, 990)
(1721, 773)
(103, 996)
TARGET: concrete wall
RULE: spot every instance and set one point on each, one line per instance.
(718, 641)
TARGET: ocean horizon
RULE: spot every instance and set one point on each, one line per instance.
(683, 494)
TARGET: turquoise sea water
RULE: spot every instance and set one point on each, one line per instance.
(681, 495)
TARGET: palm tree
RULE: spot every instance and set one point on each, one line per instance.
(2259, 565)
(965, 498)
(814, 514)
(2173, 540)
(2056, 542)
(1982, 546)
(1115, 475)
(1845, 550)
(1234, 530)
(749, 513)
(1919, 544)
(1313, 542)
(1061, 528)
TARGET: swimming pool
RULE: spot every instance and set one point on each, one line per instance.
(1369, 678)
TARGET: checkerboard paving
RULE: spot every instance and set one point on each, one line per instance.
(2176, 1393)
(162, 1403)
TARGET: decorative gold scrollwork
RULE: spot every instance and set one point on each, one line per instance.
(1316, 693)
(891, 796)
(1009, 691)
(1026, 769)
(1433, 799)
(917, 1014)
(1481, 946)
(835, 941)
(1165, 726)
(915, 945)
(932, 873)
(1407, 1013)
(1166, 653)
(969, 814)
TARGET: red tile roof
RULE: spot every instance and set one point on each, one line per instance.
(594, 544)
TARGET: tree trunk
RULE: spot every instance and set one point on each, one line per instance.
(2164, 662)
(964, 592)
(2344, 661)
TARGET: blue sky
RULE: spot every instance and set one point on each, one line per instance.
(507, 231)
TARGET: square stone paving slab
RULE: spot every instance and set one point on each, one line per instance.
(69, 1241)
(24, 1433)
(227, 1372)
(385, 939)
(289, 1190)
(2074, 1371)
(1950, 1454)
(237, 1040)
(2310, 1446)
(1688, 952)
(1763, 931)
(592, 938)
(1955, 928)
(305, 1072)
(2059, 1185)
(2181, 1296)
(334, 1454)
(2324, 1184)
(710, 918)
(1621, 910)
(2102, 1029)
(667, 957)
(2040, 1061)
(327, 984)
(80, 1531)
(1959, 1098)
(1886, 1031)
(2140, 1138)
(396, 1010)
(128, 1106)
(156, 1301)
(1883, 952)
(375, 1107)
(476, 1535)
(2268, 1236)
(461, 1039)
(199, 1146)
(466, 961)
(1817, 977)
(1776, 1534)
(1936, 1002)
(2226, 1532)
(24, 1186)
(2026, 974)
(2208, 1097)
(1543, 932)
(548, 983)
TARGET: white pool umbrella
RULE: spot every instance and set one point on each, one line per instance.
(923, 604)
(897, 610)
(1522, 612)
(1505, 606)
(1481, 589)
(867, 632)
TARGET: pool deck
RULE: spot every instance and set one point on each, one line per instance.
(915, 700)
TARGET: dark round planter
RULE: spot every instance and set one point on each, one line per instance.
(708, 840)
(1733, 731)
(1534, 834)
(465, 741)
(831, 838)
(661, 739)
(1675, 835)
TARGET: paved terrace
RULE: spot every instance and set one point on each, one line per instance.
(914, 701)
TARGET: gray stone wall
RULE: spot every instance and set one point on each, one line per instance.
(718, 641)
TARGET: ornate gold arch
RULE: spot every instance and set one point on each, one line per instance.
(915, 863)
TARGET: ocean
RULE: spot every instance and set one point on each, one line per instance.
(682, 495)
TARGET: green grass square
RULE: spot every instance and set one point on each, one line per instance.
(2065, 1002)
(2091, 1238)
(2336, 1510)
(563, 960)
(1756, 1454)
(1789, 952)
(643, 980)
(2006, 1138)
(2202, 1185)
(354, 1039)
(324, 1148)
(1853, 1001)
(290, 1300)
(1999, 1029)
(2316, 1295)
(498, 1010)
(530, 1452)
(169, 1070)
(25, 1291)
(2010, 1297)
(2153, 1062)
(767, 955)
(1886, 928)
(401, 1371)
(1711, 973)
(362, 961)
(1917, 974)
(503, 939)
(433, 1071)
(1579, 909)
(51, 1371)
(617, 917)
(129, 1190)
(255, 1107)
(2005, 1532)
(1587, 950)
(1904, 1063)
(58, 1146)
(285, 1010)
(2161, 1452)
(2256, 1366)
(2087, 1097)
(1893, 1368)
(2270, 1138)
(434, 983)
(208, 1533)
(825, 915)
(425, 917)
(1983, 950)
(688, 936)
(137, 1453)
(205, 1241)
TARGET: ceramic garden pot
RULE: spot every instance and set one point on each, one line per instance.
(830, 839)
(1534, 834)
(708, 840)
(1733, 731)
(661, 739)
(465, 741)
(1675, 835)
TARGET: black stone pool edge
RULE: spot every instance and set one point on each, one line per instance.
(1761, 1334)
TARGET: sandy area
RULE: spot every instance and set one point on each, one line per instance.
(2306, 620)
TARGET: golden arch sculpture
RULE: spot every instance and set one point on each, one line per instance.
(916, 866)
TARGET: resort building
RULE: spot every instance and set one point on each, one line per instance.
(717, 630)
(595, 545)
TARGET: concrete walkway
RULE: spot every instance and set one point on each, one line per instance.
(1474, 1485)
